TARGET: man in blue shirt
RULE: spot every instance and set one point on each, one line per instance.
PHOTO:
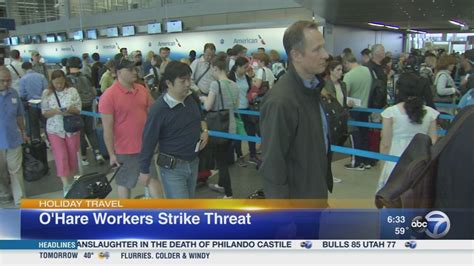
(32, 85)
(12, 135)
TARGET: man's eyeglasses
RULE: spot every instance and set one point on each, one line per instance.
(5, 80)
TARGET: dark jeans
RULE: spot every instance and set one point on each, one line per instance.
(251, 129)
(34, 119)
(220, 154)
(88, 130)
(361, 137)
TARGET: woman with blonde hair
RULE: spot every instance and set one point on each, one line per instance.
(61, 100)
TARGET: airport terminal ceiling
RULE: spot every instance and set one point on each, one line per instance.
(427, 15)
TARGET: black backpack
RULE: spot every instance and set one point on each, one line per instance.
(33, 169)
(84, 87)
(378, 92)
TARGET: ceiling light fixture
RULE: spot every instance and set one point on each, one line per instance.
(392, 27)
(381, 25)
(456, 23)
(376, 24)
(418, 31)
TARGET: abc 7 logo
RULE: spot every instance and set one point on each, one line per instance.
(435, 224)
(419, 224)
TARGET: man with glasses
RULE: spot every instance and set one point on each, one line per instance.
(201, 75)
(12, 135)
(124, 108)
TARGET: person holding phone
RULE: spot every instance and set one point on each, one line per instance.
(64, 145)
(176, 126)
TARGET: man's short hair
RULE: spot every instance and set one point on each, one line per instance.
(122, 49)
(209, 46)
(237, 49)
(122, 63)
(96, 57)
(176, 70)
(469, 56)
(348, 58)
(366, 51)
(15, 54)
(376, 48)
(74, 62)
(294, 38)
(26, 66)
(165, 49)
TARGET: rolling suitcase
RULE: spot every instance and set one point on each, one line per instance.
(92, 186)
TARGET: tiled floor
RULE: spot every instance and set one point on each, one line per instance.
(357, 188)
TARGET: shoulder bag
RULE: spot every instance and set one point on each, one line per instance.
(218, 120)
(71, 123)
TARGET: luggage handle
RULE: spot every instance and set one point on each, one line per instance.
(116, 170)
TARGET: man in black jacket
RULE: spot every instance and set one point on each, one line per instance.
(295, 145)
(454, 179)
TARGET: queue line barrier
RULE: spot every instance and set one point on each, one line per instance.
(334, 148)
(354, 123)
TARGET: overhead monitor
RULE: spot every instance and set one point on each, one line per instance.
(61, 37)
(78, 35)
(15, 40)
(174, 26)
(154, 28)
(128, 30)
(6, 41)
(92, 34)
(112, 32)
(27, 39)
(36, 38)
(51, 37)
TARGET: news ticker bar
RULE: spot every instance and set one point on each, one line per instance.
(159, 245)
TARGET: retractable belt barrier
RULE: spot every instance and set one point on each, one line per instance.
(354, 123)
(378, 111)
(334, 148)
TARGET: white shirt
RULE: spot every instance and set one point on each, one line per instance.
(268, 75)
(172, 102)
(15, 78)
(68, 97)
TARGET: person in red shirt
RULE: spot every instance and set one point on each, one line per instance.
(124, 108)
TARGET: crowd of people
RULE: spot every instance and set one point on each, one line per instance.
(159, 110)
